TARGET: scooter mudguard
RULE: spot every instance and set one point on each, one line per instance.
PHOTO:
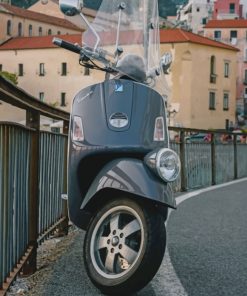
(131, 176)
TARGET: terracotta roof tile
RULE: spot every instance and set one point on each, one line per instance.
(37, 42)
(242, 23)
(40, 17)
(166, 36)
(180, 36)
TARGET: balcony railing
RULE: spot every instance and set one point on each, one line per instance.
(213, 78)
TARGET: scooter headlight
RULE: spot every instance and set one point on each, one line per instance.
(166, 164)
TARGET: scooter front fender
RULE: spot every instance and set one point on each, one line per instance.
(132, 176)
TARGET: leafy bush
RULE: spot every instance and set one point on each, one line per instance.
(9, 76)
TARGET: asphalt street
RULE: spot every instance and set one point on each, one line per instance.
(208, 242)
(206, 254)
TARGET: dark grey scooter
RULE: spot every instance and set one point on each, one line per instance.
(119, 170)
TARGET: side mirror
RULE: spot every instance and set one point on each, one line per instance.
(70, 7)
(165, 62)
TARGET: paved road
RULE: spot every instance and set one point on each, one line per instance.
(206, 255)
(208, 242)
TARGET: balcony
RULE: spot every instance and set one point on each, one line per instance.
(213, 78)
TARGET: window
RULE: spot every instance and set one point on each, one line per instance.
(58, 33)
(63, 99)
(41, 69)
(1, 67)
(232, 8)
(204, 21)
(217, 35)
(20, 29)
(245, 56)
(40, 31)
(86, 71)
(42, 96)
(226, 69)
(9, 27)
(198, 9)
(49, 32)
(20, 70)
(64, 69)
(233, 37)
(30, 30)
(212, 102)
(245, 76)
(226, 101)
(212, 70)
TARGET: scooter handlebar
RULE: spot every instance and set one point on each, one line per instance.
(67, 45)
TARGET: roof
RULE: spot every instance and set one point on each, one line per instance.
(40, 17)
(166, 36)
(39, 42)
(241, 23)
(181, 36)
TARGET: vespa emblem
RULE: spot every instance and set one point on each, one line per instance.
(118, 86)
(119, 120)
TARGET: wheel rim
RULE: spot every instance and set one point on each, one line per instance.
(117, 242)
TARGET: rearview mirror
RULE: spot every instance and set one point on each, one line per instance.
(70, 7)
(166, 61)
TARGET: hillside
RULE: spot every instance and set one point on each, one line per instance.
(166, 7)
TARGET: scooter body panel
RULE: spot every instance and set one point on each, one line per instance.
(104, 143)
(131, 176)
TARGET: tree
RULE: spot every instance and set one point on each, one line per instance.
(10, 77)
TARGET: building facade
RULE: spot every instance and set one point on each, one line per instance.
(202, 80)
(55, 73)
(201, 96)
(18, 22)
(234, 32)
(195, 14)
(227, 9)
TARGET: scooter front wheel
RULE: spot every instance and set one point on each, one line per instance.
(124, 246)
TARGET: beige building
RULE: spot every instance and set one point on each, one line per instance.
(18, 22)
(47, 72)
(202, 77)
(233, 32)
(202, 80)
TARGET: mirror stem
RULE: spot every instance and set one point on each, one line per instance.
(92, 29)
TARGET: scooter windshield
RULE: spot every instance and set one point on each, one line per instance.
(129, 32)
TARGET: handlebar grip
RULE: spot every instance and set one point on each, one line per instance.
(67, 45)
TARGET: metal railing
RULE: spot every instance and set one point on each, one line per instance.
(32, 179)
(208, 162)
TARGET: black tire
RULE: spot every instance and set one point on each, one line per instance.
(124, 246)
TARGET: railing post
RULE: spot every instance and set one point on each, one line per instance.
(183, 162)
(64, 226)
(213, 159)
(235, 157)
(33, 121)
